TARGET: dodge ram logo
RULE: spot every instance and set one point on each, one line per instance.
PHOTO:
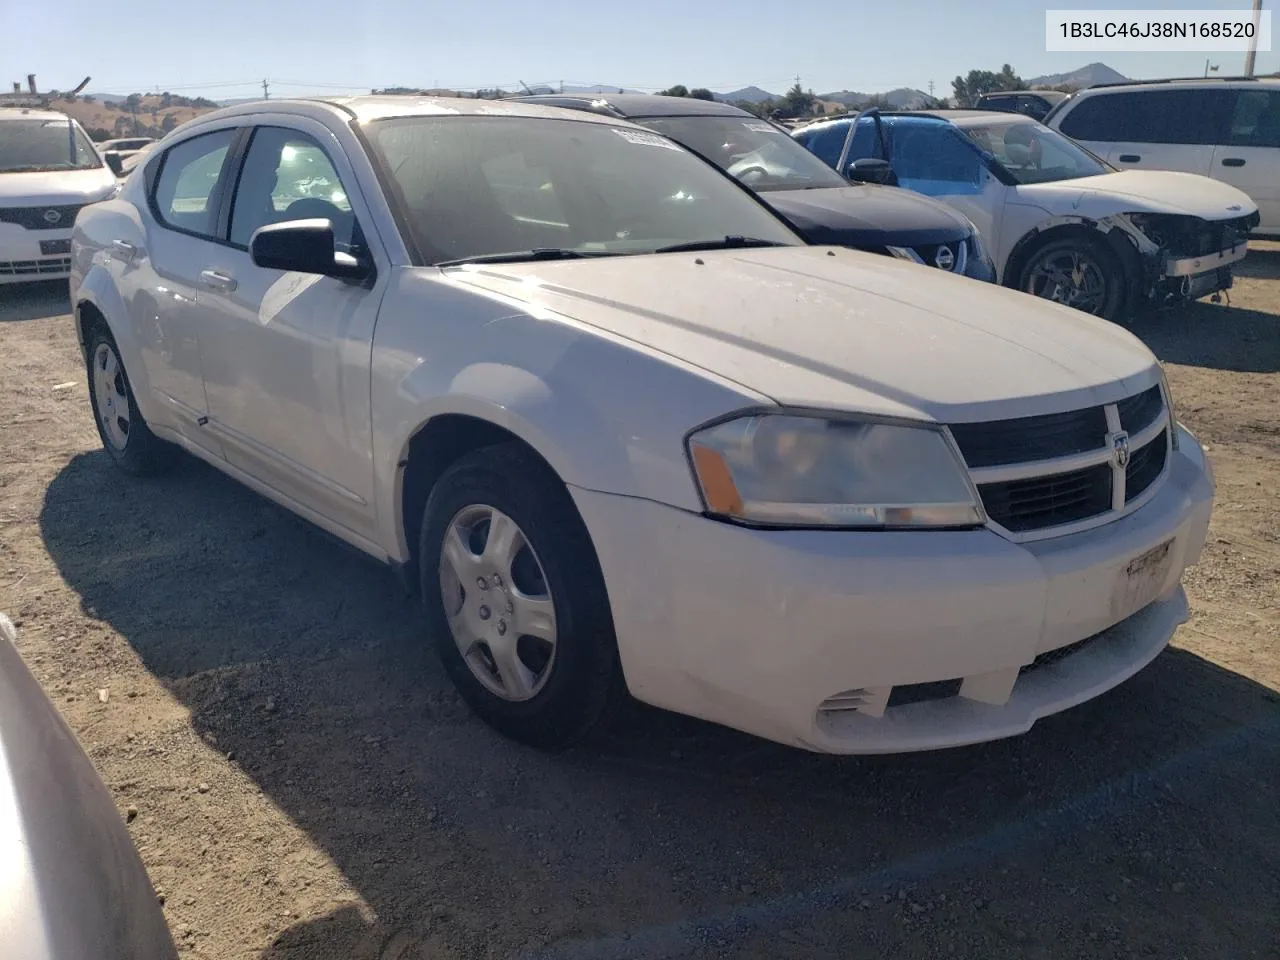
(52, 216)
(944, 259)
(1120, 450)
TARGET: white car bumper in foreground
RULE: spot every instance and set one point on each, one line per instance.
(850, 642)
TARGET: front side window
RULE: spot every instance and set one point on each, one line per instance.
(287, 176)
(488, 186)
(188, 181)
(1255, 122)
(30, 145)
(825, 142)
(1030, 152)
(754, 151)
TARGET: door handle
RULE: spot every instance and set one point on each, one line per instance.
(1233, 162)
(1129, 158)
(124, 250)
(217, 281)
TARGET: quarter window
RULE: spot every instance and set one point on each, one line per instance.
(287, 176)
(188, 182)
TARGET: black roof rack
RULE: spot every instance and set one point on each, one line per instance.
(1131, 83)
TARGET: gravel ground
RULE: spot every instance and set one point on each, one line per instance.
(307, 785)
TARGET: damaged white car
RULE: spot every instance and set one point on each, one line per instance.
(1059, 222)
(625, 430)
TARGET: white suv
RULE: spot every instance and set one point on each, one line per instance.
(49, 169)
(1228, 129)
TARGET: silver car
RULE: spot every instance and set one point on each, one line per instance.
(71, 882)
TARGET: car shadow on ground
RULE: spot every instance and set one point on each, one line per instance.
(1213, 335)
(32, 301)
(1263, 262)
(670, 837)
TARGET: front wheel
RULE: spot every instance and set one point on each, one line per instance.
(515, 599)
(1077, 274)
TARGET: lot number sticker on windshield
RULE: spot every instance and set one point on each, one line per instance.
(758, 127)
(645, 139)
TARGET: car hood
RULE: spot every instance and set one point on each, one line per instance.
(868, 215)
(55, 188)
(842, 329)
(1146, 191)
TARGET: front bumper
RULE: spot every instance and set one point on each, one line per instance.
(29, 255)
(804, 636)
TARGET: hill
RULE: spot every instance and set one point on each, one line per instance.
(152, 115)
(902, 98)
(747, 94)
(1086, 76)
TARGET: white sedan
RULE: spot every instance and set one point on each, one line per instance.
(1059, 222)
(625, 431)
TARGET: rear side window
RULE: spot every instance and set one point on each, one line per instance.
(188, 180)
(1255, 122)
(1004, 104)
(1150, 116)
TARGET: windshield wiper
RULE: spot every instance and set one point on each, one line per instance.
(724, 243)
(521, 256)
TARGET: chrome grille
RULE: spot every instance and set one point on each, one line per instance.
(952, 257)
(1046, 475)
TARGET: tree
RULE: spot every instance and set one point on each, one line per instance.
(701, 93)
(679, 90)
(132, 102)
(968, 89)
(169, 122)
(761, 110)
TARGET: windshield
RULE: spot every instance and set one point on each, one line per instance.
(756, 152)
(31, 144)
(484, 186)
(1033, 153)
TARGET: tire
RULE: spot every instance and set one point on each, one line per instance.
(125, 435)
(558, 691)
(1098, 288)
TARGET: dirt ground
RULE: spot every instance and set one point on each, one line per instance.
(307, 785)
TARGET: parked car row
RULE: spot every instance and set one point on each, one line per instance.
(1059, 221)
(625, 430)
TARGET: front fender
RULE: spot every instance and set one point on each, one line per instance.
(97, 289)
(606, 414)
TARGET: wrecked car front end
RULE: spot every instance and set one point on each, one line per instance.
(1185, 258)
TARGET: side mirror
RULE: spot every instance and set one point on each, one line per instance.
(304, 246)
(872, 170)
(114, 162)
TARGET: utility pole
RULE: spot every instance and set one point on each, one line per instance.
(266, 92)
(1253, 40)
(931, 97)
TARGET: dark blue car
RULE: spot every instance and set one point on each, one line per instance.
(821, 205)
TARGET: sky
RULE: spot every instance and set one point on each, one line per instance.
(224, 48)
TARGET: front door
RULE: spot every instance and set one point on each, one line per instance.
(286, 356)
(1250, 157)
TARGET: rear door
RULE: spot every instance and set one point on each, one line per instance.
(159, 273)
(1174, 129)
(1250, 156)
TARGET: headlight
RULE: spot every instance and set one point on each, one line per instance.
(1168, 402)
(975, 243)
(813, 471)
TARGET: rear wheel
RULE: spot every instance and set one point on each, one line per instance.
(1076, 273)
(125, 435)
(515, 600)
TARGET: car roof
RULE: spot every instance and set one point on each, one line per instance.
(30, 113)
(960, 117)
(1207, 83)
(638, 104)
(381, 107)
(1050, 94)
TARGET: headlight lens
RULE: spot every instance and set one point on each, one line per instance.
(975, 242)
(799, 470)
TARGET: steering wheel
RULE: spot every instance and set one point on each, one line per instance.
(752, 173)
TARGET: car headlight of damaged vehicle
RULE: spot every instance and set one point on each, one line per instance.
(801, 470)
